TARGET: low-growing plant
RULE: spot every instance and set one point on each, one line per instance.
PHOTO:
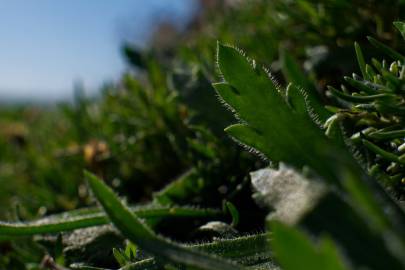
(324, 175)
(371, 114)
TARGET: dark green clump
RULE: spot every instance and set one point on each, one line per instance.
(373, 111)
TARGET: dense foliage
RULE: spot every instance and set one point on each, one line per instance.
(331, 161)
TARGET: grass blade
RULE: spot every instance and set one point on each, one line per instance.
(246, 250)
(137, 232)
(94, 217)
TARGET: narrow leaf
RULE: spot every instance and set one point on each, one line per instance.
(93, 217)
(137, 232)
(387, 50)
(360, 61)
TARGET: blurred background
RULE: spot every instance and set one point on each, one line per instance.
(123, 89)
(49, 46)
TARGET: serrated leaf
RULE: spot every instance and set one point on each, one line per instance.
(308, 92)
(251, 138)
(248, 250)
(294, 139)
(295, 99)
(269, 124)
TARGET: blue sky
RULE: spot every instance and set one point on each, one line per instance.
(46, 45)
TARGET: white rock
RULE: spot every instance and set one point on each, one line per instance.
(289, 193)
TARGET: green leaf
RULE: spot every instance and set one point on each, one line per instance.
(251, 138)
(308, 93)
(130, 250)
(387, 50)
(364, 86)
(84, 218)
(401, 27)
(184, 186)
(78, 266)
(385, 135)
(360, 61)
(296, 99)
(292, 71)
(121, 259)
(273, 128)
(381, 152)
(129, 224)
(269, 125)
(234, 213)
(247, 250)
(358, 98)
(293, 250)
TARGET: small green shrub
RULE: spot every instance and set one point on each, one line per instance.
(314, 182)
(328, 198)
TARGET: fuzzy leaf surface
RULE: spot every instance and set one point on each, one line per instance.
(139, 233)
(268, 123)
